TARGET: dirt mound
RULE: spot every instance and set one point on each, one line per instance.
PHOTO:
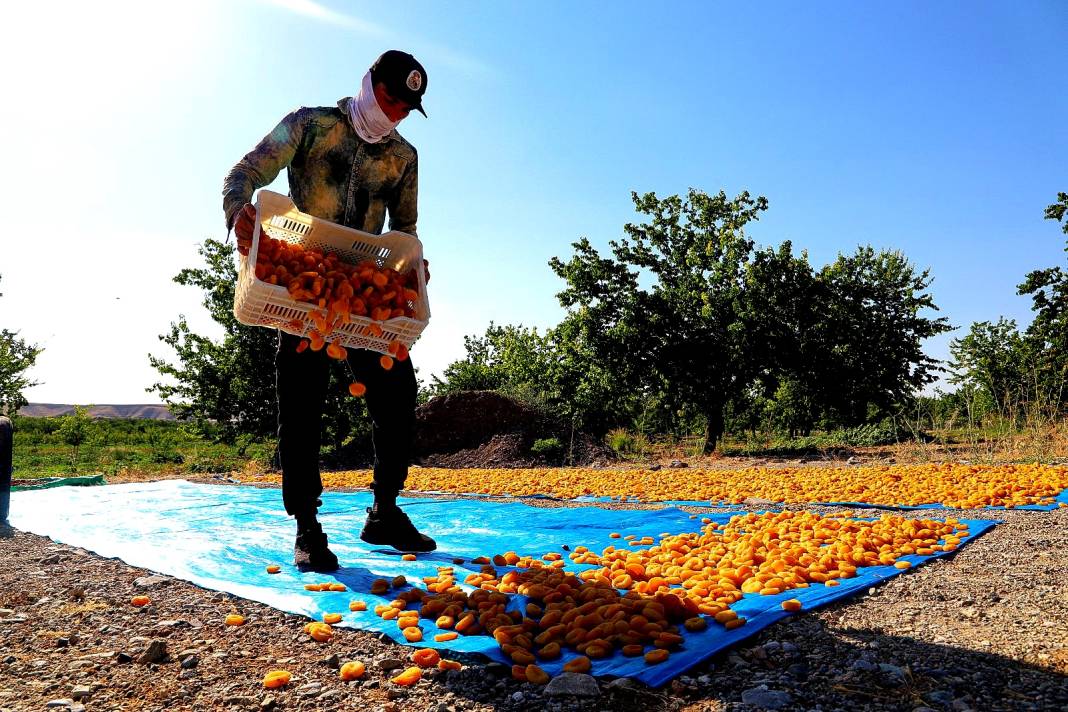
(487, 429)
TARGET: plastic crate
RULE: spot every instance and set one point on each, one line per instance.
(258, 303)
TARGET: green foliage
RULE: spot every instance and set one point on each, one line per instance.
(74, 429)
(226, 388)
(16, 358)
(626, 443)
(550, 449)
(1022, 375)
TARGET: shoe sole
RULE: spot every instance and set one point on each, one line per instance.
(397, 548)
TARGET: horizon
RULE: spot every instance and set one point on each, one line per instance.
(933, 130)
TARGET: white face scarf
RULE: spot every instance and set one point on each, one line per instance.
(368, 119)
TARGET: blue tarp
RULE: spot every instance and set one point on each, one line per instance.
(222, 538)
(1062, 497)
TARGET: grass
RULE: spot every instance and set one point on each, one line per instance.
(112, 446)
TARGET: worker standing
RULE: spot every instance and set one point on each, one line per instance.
(347, 164)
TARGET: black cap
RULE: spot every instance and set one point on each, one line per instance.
(404, 77)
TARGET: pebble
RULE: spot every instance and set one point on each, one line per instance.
(574, 684)
(123, 658)
(518, 697)
(388, 664)
(190, 661)
(312, 689)
(240, 700)
(5, 612)
(766, 699)
(396, 693)
(62, 702)
(187, 674)
(150, 581)
(333, 661)
(268, 703)
(155, 652)
(81, 692)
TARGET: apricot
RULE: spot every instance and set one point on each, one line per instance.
(409, 677)
(357, 606)
(792, 605)
(353, 670)
(426, 657)
(413, 634)
(536, 675)
(579, 664)
(445, 637)
(235, 619)
(276, 678)
(408, 557)
(331, 618)
(273, 568)
(140, 601)
(320, 632)
(449, 665)
(357, 389)
(655, 657)
(386, 362)
(338, 587)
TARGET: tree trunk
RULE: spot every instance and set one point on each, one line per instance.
(713, 429)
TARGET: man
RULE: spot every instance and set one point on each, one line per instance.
(347, 164)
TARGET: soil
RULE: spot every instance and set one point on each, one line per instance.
(984, 630)
(487, 429)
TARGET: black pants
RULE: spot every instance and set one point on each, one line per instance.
(302, 381)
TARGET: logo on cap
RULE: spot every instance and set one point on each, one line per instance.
(415, 80)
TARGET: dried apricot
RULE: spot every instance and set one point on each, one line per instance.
(353, 670)
(276, 678)
(357, 606)
(235, 619)
(413, 634)
(409, 677)
(331, 618)
(273, 568)
(445, 637)
(140, 601)
(791, 605)
(654, 657)
(426, 657)
(449, 665)
(536, 675)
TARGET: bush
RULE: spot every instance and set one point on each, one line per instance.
(624, 442)
(548, 448)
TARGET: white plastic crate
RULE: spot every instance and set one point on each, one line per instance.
(258, 303)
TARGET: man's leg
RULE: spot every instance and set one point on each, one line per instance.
(391, 397)
(301, 383)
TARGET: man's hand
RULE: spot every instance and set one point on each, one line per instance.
(426, 270)
(244, 226)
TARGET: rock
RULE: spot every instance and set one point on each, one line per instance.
(50, 560)
(81, 692)
(333, 661)
(172, 624)
(189, 661)
(622, 683)
(77, 707)
(396, 693)
(123, 658)
(5, 612)
(187, 674)
(64, 702)
(330, 694)
(312, 689)
(518, 697)
(387, 664)
(10, 659)
(677, 464)
(766, 699)
(862, 664)
(150, 581)
(498, 669)
(704, 680)
(268, 703)
(154, 653)
(893, 672)
(574, 684)
(655, 466)
(62, 642)
(940, 697)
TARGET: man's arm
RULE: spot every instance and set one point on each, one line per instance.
(261, 165)
(403, 208)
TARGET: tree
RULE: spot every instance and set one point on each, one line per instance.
(16, 358)
(1048, 332)
(685, 336)
(74, 429)
(994, 358)
(875, 357)
(226, 388)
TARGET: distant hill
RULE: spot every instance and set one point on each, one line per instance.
(50, 410)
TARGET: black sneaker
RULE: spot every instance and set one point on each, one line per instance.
(310, 553)
(390, 526)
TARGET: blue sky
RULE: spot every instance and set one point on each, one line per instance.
(936, 129)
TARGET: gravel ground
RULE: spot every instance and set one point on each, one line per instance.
(985, 629)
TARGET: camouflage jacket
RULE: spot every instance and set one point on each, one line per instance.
(333, 173)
